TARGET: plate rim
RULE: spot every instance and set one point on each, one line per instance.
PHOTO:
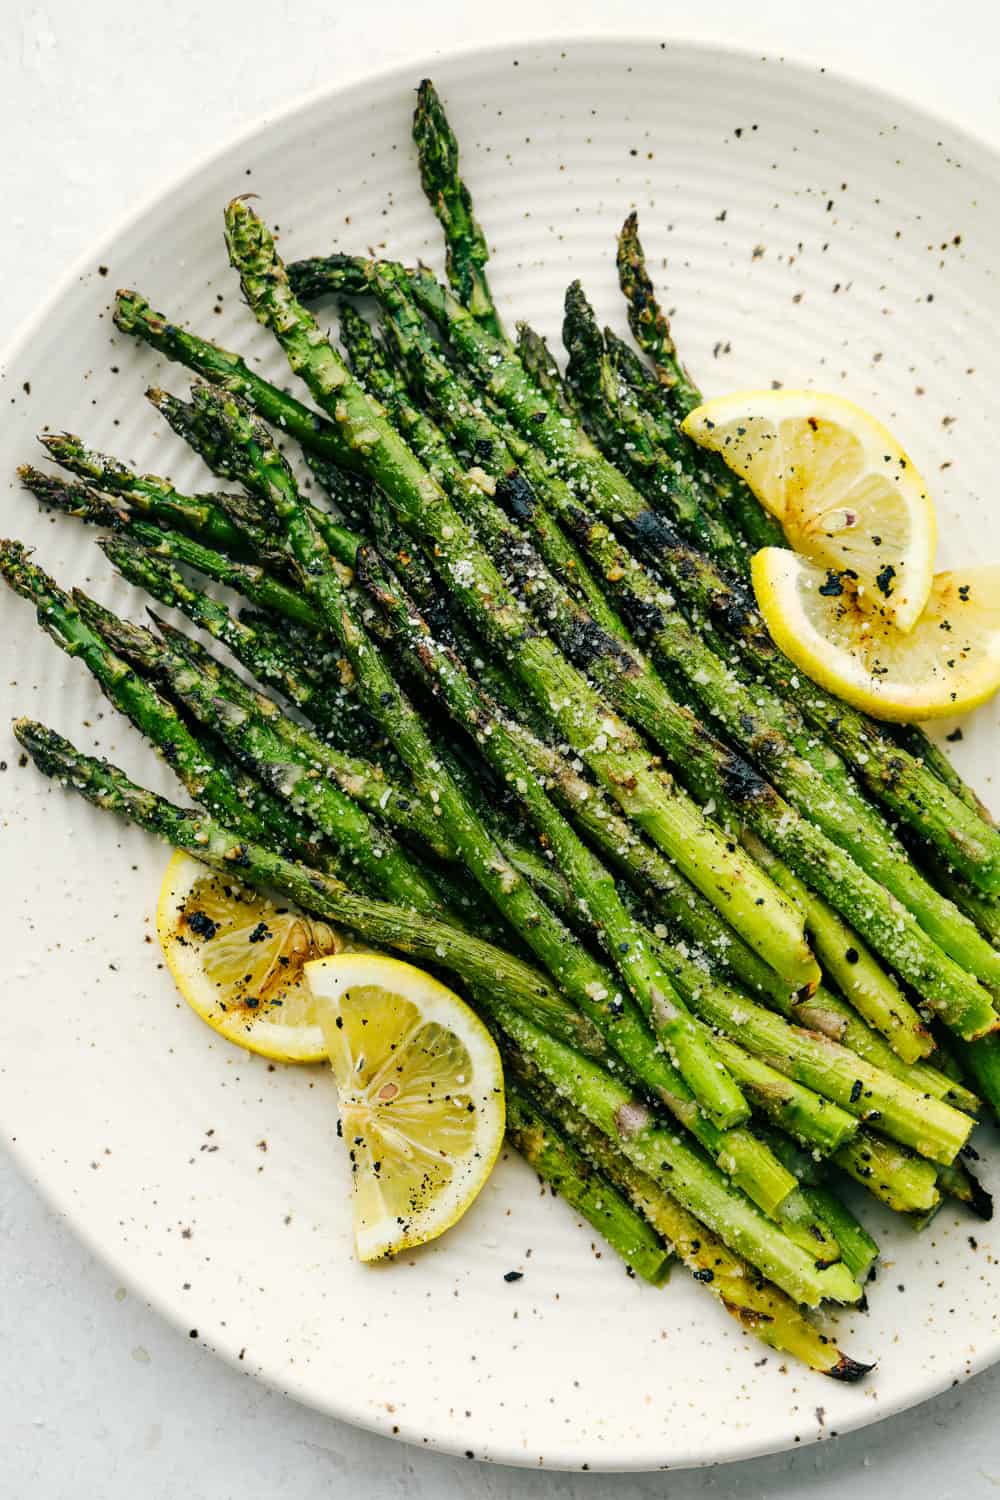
(799, 60)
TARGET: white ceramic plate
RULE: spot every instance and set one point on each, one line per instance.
(813, 232)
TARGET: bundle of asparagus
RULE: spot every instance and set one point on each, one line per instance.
(735, 940)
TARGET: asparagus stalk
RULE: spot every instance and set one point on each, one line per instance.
(585, 1189)
(920, 745)
(134, 316)
(859, 1251)
(465, 243)
(613, 752)
(247, 511)
(146, 494)
(650, 327)
(904, 1182)
(805, 1114)
(679, 394)
(622, 937)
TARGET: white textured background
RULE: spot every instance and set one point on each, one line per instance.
(101, 103)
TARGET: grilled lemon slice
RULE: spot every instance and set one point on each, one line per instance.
(421, 1096)
(947, 664)
(844, 491)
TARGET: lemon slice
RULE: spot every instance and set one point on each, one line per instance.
(844, 491)
(421, 1097)
(237, 959)
(947, 664)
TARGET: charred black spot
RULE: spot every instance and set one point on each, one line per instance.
(516, 495)
(585, 642)
(833, 587)
(652, 532)
(482, 450)
(642, 614)
(742, 784)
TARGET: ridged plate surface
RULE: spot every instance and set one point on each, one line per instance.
(805, 230)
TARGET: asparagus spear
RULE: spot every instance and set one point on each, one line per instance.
(922, 747)
(539, 361)
(612, 751)
(146, 494)
(467, 250)
(904, 1182)
(585, 1189)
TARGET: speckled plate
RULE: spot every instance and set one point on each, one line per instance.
(806, 230)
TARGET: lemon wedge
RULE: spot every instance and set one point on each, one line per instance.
(846, 494)
(421, 1097)
(237, 958)
(947, 664)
